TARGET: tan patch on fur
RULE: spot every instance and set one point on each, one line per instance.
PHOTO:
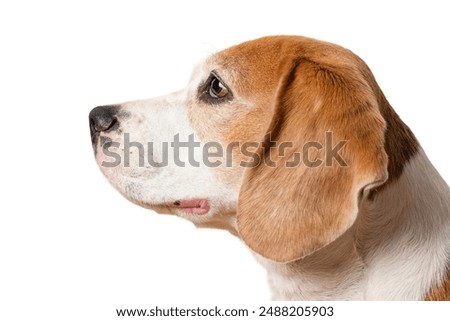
(440, 292)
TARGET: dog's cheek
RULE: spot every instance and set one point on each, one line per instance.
(215, 124)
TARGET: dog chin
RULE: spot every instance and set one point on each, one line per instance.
(197, 210)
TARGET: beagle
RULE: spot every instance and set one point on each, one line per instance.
(371, 221)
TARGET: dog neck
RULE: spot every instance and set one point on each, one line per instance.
(396, 250)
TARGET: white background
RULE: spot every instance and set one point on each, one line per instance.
(72, 248)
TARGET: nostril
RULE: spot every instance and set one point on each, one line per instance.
(103, 119)
(113, 125)
(102, 124)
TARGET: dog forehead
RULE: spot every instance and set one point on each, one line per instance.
(253, 57)
(274, 52)
(251, 66)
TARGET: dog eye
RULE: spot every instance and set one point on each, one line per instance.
(216, 89)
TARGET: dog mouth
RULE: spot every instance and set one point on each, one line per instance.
(197, 206)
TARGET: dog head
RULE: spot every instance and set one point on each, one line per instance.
(276, 139)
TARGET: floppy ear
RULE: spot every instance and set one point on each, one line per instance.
(293, 209)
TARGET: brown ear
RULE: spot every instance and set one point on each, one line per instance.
(291, 210)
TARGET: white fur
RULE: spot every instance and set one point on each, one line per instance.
(411, 252)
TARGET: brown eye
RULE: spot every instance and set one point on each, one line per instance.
(217, 89)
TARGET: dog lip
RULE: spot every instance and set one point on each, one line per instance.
(198, 206)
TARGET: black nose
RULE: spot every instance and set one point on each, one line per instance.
(103, 119)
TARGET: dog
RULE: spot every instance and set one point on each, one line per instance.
(363, 216)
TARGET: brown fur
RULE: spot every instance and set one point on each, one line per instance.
(400, 143)
(440, 292)
(323, 200)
